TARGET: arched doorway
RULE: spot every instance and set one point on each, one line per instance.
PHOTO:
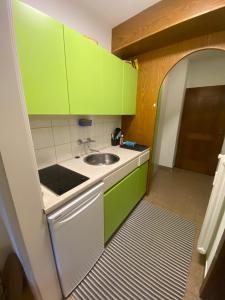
(183, 192)
(153, 67)
(190, 127)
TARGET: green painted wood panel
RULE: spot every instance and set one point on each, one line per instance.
(142, 177)
(112, 83)
(120, 199)
(130, 76)
(83, 63)
(40, 47)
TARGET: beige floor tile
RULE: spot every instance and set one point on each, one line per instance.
(186, 194)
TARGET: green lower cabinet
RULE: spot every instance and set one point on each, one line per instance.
(142, 178)
(121, 199)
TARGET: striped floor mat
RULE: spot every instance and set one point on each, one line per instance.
(147, 259)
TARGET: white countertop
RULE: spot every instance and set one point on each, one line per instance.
(52, 201)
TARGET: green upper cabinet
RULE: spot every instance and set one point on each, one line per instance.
(64, 72)
(112, 83)
(40, 48)
(130, 77)
(83, 63)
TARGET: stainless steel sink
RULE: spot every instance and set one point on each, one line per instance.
(99, 159)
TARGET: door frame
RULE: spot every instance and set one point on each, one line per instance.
(215, 277)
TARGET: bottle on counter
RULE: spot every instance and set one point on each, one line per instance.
(121, 140)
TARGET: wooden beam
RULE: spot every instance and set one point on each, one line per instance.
(168, 21)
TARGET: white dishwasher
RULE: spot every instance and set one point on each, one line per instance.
(77, 234)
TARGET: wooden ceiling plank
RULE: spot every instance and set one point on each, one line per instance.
(165, 22)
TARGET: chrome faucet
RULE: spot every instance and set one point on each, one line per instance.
(87, 142)
(82, 142)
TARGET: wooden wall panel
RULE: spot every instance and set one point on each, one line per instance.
(206, 24)
(163, 20)
(154, 66)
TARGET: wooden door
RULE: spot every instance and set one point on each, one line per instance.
(202, 129)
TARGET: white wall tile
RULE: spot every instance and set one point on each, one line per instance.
(109, 118)
(61, 135)
(74, 133)
(98, 130)
(75, 149)
(82, 132)
(78, 150)
(42, 137)
(99, 144)
(63, 152)
(45, 157)
(96, 119)
(107, 129)
(107, 141)
(60, 121)
(39, 121)
(74, 120)
(55, 137)
(91, 131)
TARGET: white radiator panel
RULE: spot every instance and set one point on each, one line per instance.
(216, 203)
(212, 252)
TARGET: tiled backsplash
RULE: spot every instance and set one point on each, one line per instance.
(55, 137)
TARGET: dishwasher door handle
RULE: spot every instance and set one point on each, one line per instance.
(67, 217)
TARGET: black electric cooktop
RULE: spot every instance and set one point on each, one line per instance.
(59, 179)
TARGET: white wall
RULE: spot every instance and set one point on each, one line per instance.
(206, 72)
(5, 244)
(171, 107)
(20, 192)
(74, 15)
(201, 69)
(161, 108)
(223, 147)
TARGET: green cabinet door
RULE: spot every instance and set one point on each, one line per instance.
(111, 83)
(121, 199)
(130, 76)
(40, 48)
(83, 63)
(142, 178)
